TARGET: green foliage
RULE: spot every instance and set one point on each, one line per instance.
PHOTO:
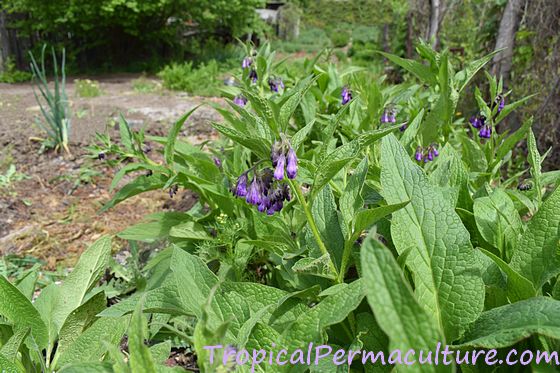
(371, 248)
(11, 74)
(54, 104)
(202, 80)
(87, 88)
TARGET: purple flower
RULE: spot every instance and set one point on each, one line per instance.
(392, 118)
(254, 193)
(253, 76)
(475, 122)
(241, 187)
(403, 127)
(501, 105)
(247, 61)
(419, 154)
(385, 117)
(217, 161)
(280, 164)
(435, 151)
(275, 84)
(485, 132)
(346, 95)
(240, 100)
(291, 169)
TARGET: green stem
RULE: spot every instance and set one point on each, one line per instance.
(311, 221)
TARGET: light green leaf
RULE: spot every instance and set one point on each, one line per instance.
(412, 130)
(160, 352)
(126, 135)
(535, 162)
(315, 266)
(310, 326)
(139, 185)
(26, 284)
(351, 200)
(446, 274)
(518, 287)
(507, 325)
(155, 228)
(536, 256)
(162, 299)
(450, 172)
(299, 137)
(10, 349)
(18, 309)
(366, 218)
(194, 280)
(421, 71)
(79, 320)
(498, 221)
(260, 146)
(88, 368)
(140, 358)
(509, 143)
(464, 76)
(396, 310)
(7, 366)
(190, 230)
(172, 137)
(91, 345)
(342, 155)
(326, 217)
(88, 271)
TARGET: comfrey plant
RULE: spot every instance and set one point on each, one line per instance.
(54, 104)
(318, 226)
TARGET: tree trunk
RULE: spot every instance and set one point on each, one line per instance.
(409, 35)
(4, 42)
(501, 65)
(435, 19)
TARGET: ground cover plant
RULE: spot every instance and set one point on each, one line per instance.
(335, 208)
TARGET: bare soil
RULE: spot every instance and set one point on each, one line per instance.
(53, 215)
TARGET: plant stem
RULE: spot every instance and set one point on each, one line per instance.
(312, 225)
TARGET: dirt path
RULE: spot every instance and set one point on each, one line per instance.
(52, 213)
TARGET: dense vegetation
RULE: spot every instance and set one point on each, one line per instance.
(371, 195)
(333, 209)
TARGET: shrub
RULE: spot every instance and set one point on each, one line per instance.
(12, 75)
(87, 88)
(203, 80)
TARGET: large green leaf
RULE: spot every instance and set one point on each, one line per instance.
(155, 227)
(535, 162)
(194, 280)
(140, 357)
(507, 325)
(327, 220)
(10, 349)
(88, 271)
(518, 287)
(421, 71)
(18, 309)
(92, 344)
(139, 185)
(536, 256)
(310, 326)
(450, 172)
(448, 281)
(351, 200)
(172, 137)
(8, 366)
(342, 155)
(79, 319)
(498, 221)
(396, 310)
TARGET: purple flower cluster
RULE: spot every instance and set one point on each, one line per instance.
(253, 76)
(240, 100)
(247, 62)
(283, 158)
(485, 132)
(275, 84)
(479, 122)
(426, 154)
(263, 191)
(389, 116)
(501, 102)
(346, 95)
